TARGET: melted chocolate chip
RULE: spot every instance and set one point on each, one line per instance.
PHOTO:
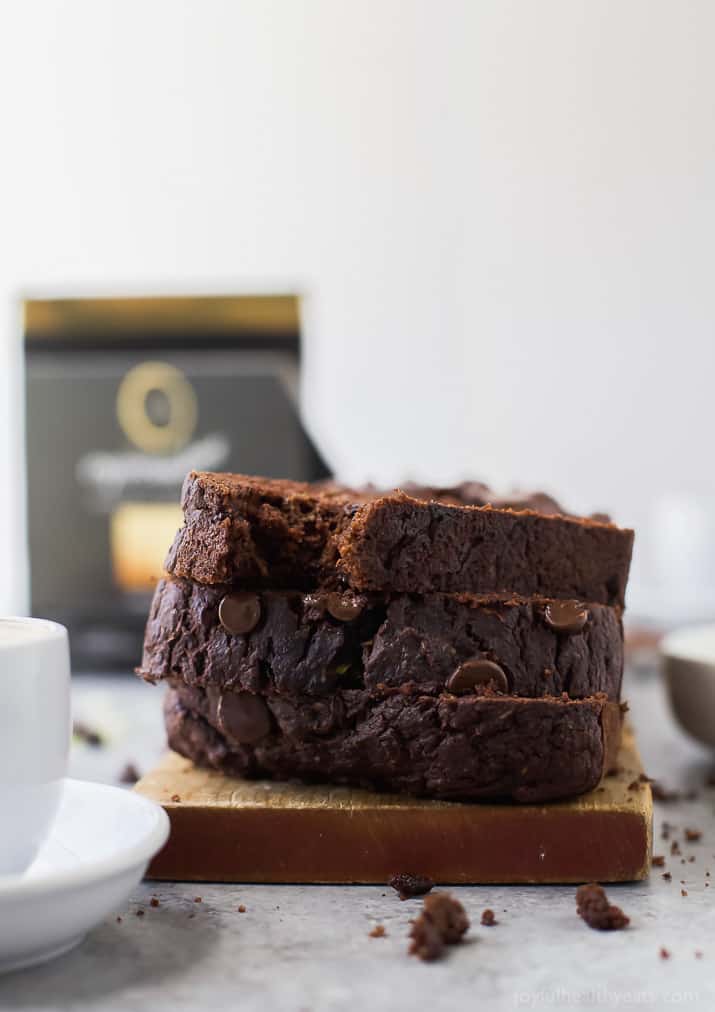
(243, 717)
(343, 607)
(478, 671)
(566, 616)
(239, 613)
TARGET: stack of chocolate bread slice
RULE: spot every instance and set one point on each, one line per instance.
(443, 642)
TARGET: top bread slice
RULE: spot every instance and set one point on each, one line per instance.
(256, 532)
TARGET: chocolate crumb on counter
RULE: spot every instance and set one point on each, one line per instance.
(664, 953)
(129, 774)
(407, 884)
(241, 908)
(593, 906)
(675, 848)
(140, 912)
(667, 876)
(488, 918)
(153, 902)
(658, 860)
(683, 892)
(693, 835)
(443, 921)
(119, 920)
(176, 798)
(198, 899)
(378, 931)
(87, 734)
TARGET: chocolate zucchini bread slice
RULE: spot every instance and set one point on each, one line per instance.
(254, 532)
(444, 746)
(316, 643)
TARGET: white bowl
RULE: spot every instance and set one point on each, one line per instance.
(689, 665)
(96, 854)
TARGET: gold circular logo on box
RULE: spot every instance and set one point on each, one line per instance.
(157, 407)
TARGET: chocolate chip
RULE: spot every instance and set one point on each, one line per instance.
(343, 607)
(239, 613)
(243, 717)
(566, 616)
(477, 671)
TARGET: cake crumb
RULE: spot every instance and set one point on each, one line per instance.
(176, 798)
(593, 906)
(664, 953)
(658, 860)
(683, 892)
(140, 912)
(667, 876)
(241, 908)
(407, 884)
(443, 921)
(378, 931)
(129, 774)
(488, 918)
(693, 835)
(87, 734)
(153, 902)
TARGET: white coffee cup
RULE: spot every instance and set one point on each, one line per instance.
(34, 734)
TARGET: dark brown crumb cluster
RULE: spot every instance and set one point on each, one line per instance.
(378, 931)
(658, 860)
(443, 921)
(87, 734)
(593, 906)
(129, 774)
(406, 884)
(488, 918)
(693, 835)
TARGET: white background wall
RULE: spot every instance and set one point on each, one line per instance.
(502, 212)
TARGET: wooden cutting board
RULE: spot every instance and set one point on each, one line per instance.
(233, 830)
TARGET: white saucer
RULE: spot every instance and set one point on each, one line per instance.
(98, 851)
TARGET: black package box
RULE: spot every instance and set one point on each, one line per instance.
(124, 396)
